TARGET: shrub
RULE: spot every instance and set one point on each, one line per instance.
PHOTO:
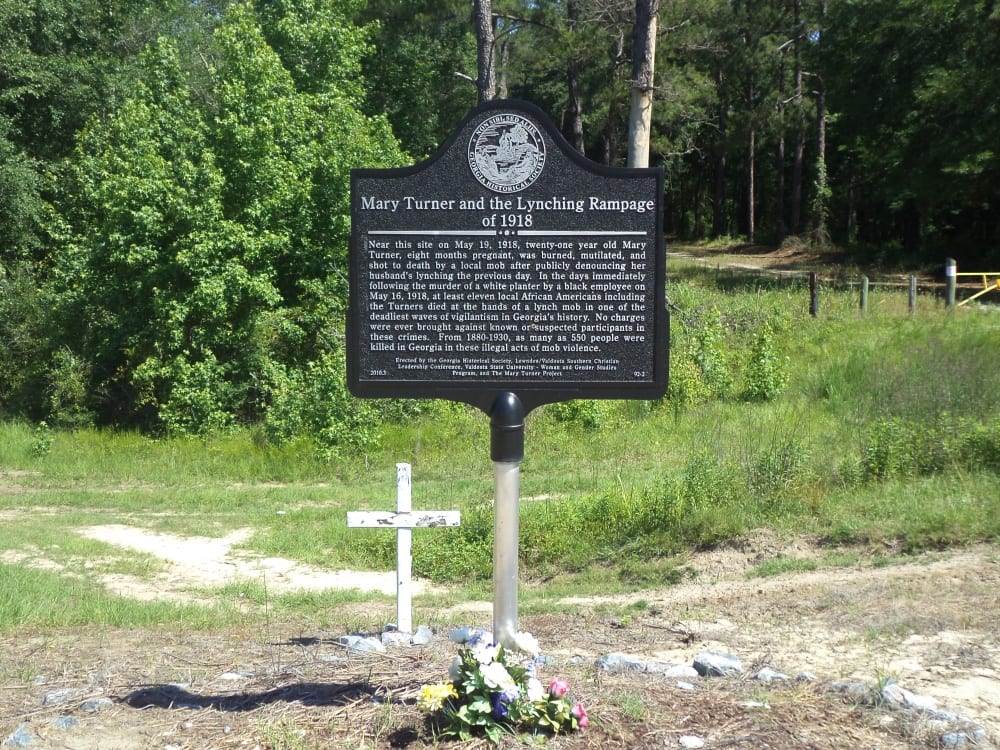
(767, 370)
(199, 399)
(588, 413)
(68, 377)
(895, 447)
(709, 353)
(315, 402)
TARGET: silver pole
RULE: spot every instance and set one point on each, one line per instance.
(505, 543)
(404, 553)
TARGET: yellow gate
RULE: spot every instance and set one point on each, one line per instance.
(991, 282)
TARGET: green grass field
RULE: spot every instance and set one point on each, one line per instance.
(880, 431)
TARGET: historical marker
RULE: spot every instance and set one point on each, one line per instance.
(507, 263)
(507, 271)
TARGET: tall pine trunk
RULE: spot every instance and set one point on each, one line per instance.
(798, 160)
(575, 109)
(482, 17)
(719, 189)
(751, 184)
(643, 58)
(779, 163)
(820, 231)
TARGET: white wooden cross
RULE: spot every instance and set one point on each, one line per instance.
(403, 520)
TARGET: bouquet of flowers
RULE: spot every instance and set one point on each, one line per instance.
(494, 690)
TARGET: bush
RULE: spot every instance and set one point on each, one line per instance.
(708, 352)
(315, 402)
(895, 447)
(767, 370)
(588, 413)
(24, 340)
(68, 378)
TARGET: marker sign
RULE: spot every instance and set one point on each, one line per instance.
(507, 263)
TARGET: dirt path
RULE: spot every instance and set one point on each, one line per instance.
(931, 623)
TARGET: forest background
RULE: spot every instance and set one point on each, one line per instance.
(174, 207)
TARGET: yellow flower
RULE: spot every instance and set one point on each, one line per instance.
(432, 697)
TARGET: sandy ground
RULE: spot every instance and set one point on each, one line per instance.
(931, 623)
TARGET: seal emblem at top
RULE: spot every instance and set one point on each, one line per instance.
(506, 153)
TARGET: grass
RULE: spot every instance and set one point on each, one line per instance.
(883, 435)
(31, 598)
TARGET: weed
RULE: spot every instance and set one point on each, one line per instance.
(884, 677)
(43, 438)
(286, 735)
(632, 705)
(767, 371)
(588, 413)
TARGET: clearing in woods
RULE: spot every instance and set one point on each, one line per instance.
(929, 622)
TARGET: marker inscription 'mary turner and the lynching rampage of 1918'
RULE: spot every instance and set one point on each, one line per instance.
(507, 263)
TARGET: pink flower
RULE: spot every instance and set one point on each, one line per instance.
(558, 687)
(581, 716)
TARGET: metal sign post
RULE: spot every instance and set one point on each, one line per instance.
(507, 452)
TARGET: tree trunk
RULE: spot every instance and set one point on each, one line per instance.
(501, 75)
(779, 165)
(779, 185)
(821, 235)
(575, 109)
(643, 58)
(611, 128)
(751, 184)
(820, 232)
(482, 17)
(798, 169)
(719, 190)
(798, 160)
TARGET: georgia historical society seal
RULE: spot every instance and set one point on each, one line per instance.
(506, 153)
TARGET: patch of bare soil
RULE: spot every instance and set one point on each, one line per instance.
(931, 623)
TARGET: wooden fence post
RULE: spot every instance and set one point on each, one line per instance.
(813, 294)
(913, 294)
(864, 295)
(950, 272)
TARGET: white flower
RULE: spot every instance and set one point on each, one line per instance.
(496, 676)
(485, 653)
(526, 643)
(535, 690)
(455, 670)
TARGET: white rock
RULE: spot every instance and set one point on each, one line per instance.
(423, 636)
(395, 638)
(362, 645)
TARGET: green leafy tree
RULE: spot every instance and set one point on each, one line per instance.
(208, 235)
(418, 74)
(914, 86)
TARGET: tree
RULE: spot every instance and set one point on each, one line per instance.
(643, 59)
(417, 73)
(21, 203)
(486, 78)
(209, 237)
(913, 159)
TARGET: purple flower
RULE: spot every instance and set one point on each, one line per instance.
(500, 709)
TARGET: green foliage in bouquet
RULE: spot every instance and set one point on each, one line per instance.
(494, 690)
